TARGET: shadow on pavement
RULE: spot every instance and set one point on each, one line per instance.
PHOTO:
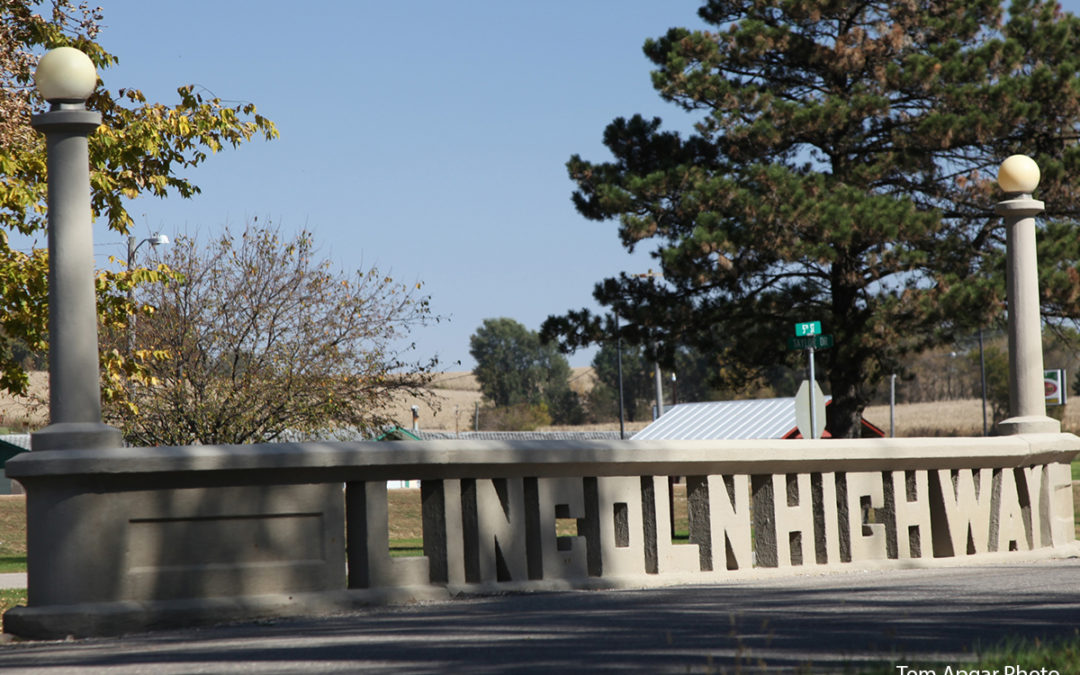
(832, 623)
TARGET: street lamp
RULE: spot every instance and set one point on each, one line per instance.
(1018, 177)
(133, 246)
(65, 77)
(155, 241)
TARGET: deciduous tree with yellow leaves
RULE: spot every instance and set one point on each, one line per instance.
(138, 151)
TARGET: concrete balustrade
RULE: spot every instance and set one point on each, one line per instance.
(129, 539)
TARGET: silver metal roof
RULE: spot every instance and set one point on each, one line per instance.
(19, 440)
(521, 435)
(723, 420)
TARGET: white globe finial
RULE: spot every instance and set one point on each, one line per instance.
(65, 74)
(1019, 174)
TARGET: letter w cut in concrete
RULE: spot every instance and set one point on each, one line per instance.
(961, 518)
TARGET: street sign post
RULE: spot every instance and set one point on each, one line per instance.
(810, 410)
(810, 342)
(808, 336)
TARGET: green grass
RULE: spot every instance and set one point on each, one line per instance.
(10, 597)
(400, 548)
(12, 534)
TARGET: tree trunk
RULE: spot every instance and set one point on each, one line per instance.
(844, 413)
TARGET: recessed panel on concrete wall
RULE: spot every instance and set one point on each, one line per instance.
(205, 542)
(185, 543)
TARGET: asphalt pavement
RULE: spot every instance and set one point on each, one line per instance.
(827, 623)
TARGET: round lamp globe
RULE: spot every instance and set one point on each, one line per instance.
(65, 74)
(1018, 174)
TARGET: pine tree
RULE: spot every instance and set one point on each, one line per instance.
(841, 169)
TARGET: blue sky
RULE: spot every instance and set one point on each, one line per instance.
(427, 138)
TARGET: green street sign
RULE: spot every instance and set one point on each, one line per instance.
(808, 328)
(815, 341)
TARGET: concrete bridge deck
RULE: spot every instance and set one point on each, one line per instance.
(833, 622)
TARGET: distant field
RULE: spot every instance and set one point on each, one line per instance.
(456, 395)
(948, 418)
(459, 393)
(23, 413)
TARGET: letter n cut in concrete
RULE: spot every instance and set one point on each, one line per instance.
(719, 509)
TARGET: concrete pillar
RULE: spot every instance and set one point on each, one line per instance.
(74, 388)
(1019, 176)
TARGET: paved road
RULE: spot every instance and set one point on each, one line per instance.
(775, 625)
(13, 580)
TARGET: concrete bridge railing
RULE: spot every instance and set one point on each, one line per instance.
(130, 539)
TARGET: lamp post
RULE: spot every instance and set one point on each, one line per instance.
(1018, 177)
(65, 77)
(155, 241)
(132, 248)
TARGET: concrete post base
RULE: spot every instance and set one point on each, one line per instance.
(76, 436)
(1030, 424)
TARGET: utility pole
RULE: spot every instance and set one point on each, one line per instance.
(618, 360)
(658, 376)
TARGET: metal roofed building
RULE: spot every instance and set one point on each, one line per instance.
(11, 445)
(732, 420)
(398, 433)
(520, 435)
